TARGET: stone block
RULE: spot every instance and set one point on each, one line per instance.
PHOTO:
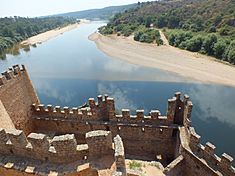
(17, 138)
(39, 142)
(65, 144)
(210, 148)
(99, 143)
(140, 114)
(126, 113)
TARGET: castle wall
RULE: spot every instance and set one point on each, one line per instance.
(207, 154)
(5, 119)
(61, 149)
(17, 95)
(11, 171)
(78, 137)
(140, 133)
(99, 143)
(139, 141)
(195, 166)
(176, 167)
(119, 155)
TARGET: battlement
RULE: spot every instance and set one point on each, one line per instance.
(17, 95)
(61, 149)
(104, 110)
(11, 73)
(207, 153)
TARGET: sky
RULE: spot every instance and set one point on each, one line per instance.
(34, 8)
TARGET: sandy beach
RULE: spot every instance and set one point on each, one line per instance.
(43, 37)
(194, 66)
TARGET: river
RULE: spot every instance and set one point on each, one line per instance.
(69, 69)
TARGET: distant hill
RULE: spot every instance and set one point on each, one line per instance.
(195, 15)
(100, 14)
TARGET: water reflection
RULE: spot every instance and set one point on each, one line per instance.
(215, 102)
(16, 50)
(213, 115)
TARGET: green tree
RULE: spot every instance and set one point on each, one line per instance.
(194, 44)
(208, 44)
(173, 22)
(171, 39)
(20, 30)
(224, 30)
(219, 48)
(230, 53)
(7, 32)
(137, 35)
(148, 21)
(146, 38)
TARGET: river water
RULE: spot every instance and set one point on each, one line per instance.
(69, 69)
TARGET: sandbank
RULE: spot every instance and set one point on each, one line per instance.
(43, 37)
(193, 66)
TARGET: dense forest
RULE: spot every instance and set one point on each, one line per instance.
(205, 26)
(16, 29)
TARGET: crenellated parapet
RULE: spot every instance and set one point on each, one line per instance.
(207, 153)
(11, 74)
(17, 95)
(61, 149)
(104, 110)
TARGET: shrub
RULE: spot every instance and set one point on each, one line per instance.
(219, 49)
(194, 44)
(230, 53)
(208, 44)
(146, 38)
(224, 31)
(135, 165)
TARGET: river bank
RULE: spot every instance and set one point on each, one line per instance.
(43, 37)
(193, 66)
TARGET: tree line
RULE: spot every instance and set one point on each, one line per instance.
(210, 44)
(16, 29)
(205, 26)
(141, 32)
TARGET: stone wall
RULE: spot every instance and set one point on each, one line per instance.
(59, 155)
(207, 153)
(61, 149)
(30, 169)
(119, 155)
(17, 95)
(140, 132)
(176, 167)
(5, 119)
(99, 143)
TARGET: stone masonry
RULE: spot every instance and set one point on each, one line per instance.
(95, 140)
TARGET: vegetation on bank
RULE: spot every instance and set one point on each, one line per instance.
(16, 29)
(205, 26)
(211, 44)
(141, 33)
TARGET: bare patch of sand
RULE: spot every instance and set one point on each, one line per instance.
(43, 37)
(194, 66)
